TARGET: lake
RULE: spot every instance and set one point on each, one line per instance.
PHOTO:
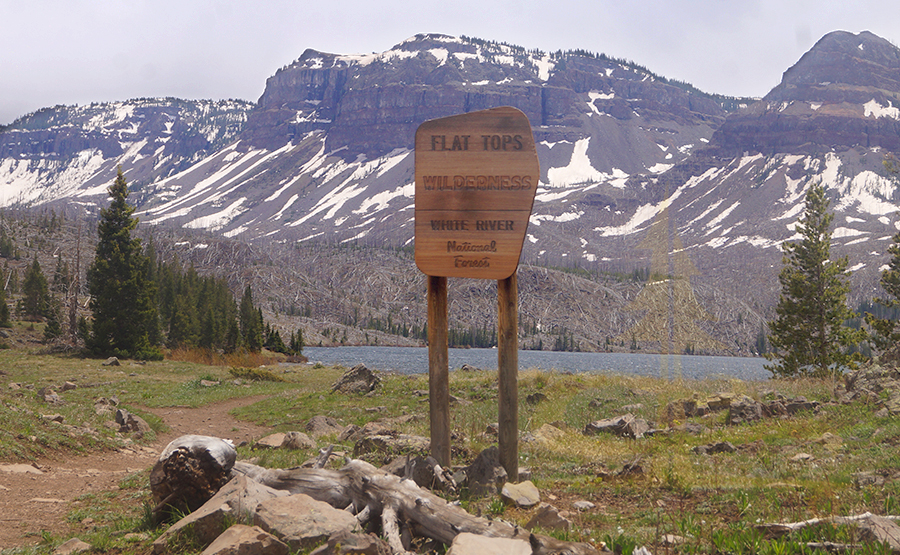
(414, 360)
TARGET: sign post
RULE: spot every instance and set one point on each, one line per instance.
(476, 177)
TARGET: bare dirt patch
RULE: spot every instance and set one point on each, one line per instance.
(40, 499)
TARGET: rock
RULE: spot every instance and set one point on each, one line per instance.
(301, 521)
(208, 383)
(235, 501)
(714, 448)
(800, 404)
(104, 405)
(241, 539)
(392, 445)
(111, 361)
(867, 478)
(53, 417)
(547, 516)
(19, 469)
(743, 411)
(485, 475)
(69, 386)
(131, 422)
(802, 457)
(358, 379)
(720, 402)
(297, 440)
(474, 544)
(346, 543)
(524, 494)
(632, 408)
(271, 441)
(49, 396)
(583, 505)
(623, 426)
(72, 546)
(319, 426)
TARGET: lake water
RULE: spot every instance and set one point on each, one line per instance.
(414, 360)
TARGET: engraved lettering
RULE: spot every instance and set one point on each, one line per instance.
(449, 225)
(465, 246)
(462, 262)
(494, 225)
(480, 183)
(502, 142)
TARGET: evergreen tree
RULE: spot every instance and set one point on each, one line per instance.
(4, 310)
(251, 323)
(53, 329)
(885, 330)
(36, 295)
(808, 336)
(122, 298)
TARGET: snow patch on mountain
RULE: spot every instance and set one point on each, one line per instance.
(580, 171)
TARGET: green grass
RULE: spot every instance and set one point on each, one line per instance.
(711, 501)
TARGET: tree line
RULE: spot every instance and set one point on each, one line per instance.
(139, 304)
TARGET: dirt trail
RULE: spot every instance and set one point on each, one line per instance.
(41, 498)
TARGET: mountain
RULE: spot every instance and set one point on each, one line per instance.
(640, 176)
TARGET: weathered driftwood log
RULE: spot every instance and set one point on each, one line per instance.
(359, 487)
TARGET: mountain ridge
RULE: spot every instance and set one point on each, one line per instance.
(635, 170)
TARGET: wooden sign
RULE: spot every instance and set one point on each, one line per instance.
(476, 176)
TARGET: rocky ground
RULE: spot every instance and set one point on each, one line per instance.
(39, 497)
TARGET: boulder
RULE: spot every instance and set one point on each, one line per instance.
(49, 396)
(319, 426)
(71, 546)
(241, 539)
(474, 544)
(485, 474)
(524, 494)
(548, 517)
(111, 361)
(743, 411)
(129, 423)
(358, 379)
(301, 521)
(235, 501)
(347, 543)
(714, 448)
(624, 426)
(297, 440)
(271, 441)
(392, 445)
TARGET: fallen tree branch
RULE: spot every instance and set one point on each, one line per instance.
(399, 502)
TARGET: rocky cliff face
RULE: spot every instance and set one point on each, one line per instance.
(373, 104)
(834, 98)
(58, 154)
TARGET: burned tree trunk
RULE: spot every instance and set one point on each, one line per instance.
(359, 487)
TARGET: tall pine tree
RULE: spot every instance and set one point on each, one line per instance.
(808, 336)
(122, 296)
(886, 333)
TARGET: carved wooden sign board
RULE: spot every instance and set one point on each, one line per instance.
(476, 177)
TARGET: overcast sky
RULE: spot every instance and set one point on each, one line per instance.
(80, 51)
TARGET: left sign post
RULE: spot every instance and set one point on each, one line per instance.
(476, 178)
